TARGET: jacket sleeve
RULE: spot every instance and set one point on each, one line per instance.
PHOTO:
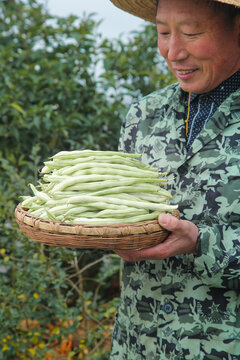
(128, 132)
(218, 258)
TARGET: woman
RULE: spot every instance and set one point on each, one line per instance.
(181, 299)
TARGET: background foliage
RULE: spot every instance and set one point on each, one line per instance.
(63, 87)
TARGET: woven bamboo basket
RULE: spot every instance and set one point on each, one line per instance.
(112, 237)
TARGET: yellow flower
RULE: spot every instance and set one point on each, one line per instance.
(5, 348)
(21, 297)
(35, 295)
(32, 351)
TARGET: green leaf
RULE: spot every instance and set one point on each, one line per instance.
(18, 108)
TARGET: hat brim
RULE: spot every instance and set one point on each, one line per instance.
(146, 9)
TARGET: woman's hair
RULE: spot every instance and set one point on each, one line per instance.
(228, 11)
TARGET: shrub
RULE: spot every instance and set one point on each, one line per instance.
(63, 88)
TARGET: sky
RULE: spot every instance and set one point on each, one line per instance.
(115, 22)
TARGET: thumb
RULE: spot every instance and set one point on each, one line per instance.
(168, 221)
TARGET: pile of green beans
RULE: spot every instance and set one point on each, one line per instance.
(98, 187)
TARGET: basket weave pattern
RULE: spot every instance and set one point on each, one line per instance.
(112, 237)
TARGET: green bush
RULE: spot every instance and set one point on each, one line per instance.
(63, 87)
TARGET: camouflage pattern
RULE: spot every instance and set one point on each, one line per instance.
(186, 307)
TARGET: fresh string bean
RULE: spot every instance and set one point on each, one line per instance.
(98, 187)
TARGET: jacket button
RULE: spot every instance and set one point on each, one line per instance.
(168, 308)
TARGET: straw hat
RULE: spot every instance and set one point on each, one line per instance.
(146, 9)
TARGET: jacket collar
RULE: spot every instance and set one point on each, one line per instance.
(227, 114)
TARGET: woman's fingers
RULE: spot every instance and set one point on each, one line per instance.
(182, 240)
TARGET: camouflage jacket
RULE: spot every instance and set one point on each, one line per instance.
(186, 307)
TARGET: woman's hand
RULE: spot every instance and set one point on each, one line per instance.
(182, 240)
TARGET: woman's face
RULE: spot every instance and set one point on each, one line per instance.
(200, 48)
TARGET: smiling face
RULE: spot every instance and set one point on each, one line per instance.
(199, 46)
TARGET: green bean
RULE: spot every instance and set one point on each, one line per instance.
(162, 192)
(50, 215)
(111, 220)
(54, 178)
(40, 212)
(137, 188)
(100, 187)
(62, 195)
(102, 174)
(112, 172)
(59, 209)
(85, 153)
(117, 201)
(28, 200)
(121, 213)
(45, 170)
(57, 163)
(39, 194)
(154, 198)
(77, 180)
(76, 210)
(69, 170)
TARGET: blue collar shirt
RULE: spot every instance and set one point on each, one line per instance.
(203, 106)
